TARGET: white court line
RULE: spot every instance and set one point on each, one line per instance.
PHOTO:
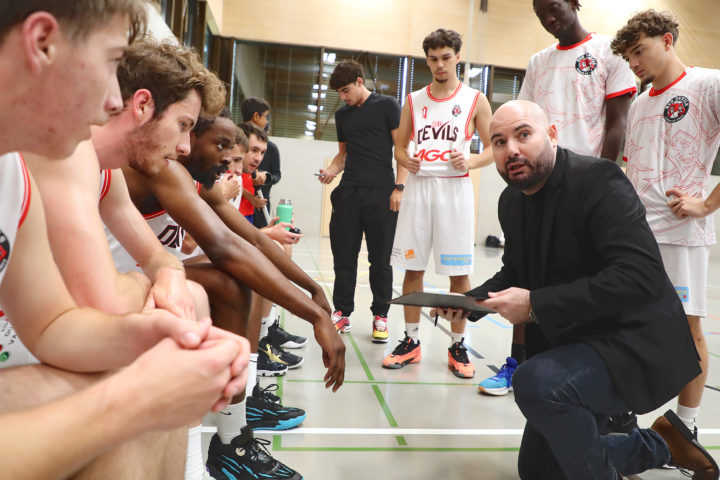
(412, 431)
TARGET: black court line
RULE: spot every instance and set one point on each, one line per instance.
(447, 332)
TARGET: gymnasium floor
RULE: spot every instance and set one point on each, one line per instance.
(422, 422)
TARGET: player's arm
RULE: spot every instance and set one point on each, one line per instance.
(60, 333)
(70, 190)
(401, 175)
(336, 166)
(616, 112)
(402, 141)
(255, 201)
(166, 272)
(684, 205)
(483, 115)
(234, 220)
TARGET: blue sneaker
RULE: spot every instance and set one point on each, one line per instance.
(264, 413)
(501, 383)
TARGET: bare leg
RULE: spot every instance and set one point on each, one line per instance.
(459, 284)
(413, 282)
(691, 394)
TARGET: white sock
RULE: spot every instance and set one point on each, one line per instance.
(264, 325)
(412, 330)
(688, 415)
(230, 421)
(457, 337)
(252, 374)
(194, 467)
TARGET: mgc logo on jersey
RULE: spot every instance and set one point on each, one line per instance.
(676, 109)
(585, 64)
(431, 155)
(4, 251)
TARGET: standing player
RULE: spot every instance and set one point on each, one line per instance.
(586, 91)
(438, 207)
(672, 138)
(366, 128)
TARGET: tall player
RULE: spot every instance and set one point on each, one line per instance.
(586, 92)
(437, 211)
(672, 138)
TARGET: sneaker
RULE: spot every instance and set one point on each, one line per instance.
(265, 413)
(408, 351)
(270, 366)
(458, 361)
(282, 339)
(342, 323)
(380, 333)
(501, 383)
(246, 458)
(278, 354)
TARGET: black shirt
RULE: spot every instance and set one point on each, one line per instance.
(271, 164)
(365, 130)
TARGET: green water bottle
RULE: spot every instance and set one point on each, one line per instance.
(284, 210)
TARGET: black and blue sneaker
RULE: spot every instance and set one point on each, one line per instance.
(264, 412)
(246, 458)
(276, 354)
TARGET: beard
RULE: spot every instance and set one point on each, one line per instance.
(140, 145)
(206, 177)
(540, 170)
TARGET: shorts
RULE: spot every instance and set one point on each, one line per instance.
(436, 214)
(12, 351)
(687, 268)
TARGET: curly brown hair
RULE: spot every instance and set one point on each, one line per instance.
(441, 38)
(78, 18)
(345, 73)
(651, 23)
(170, 72)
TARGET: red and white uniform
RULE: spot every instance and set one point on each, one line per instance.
(673, 136)
(14, 204)
(571, 84)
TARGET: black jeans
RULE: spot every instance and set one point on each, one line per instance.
(566, 394)
(357, 210)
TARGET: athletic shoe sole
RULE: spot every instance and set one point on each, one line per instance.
(280, 425)
(272, 373)
(380, 340)
(395, 366)
(292, 345)
(297, 365)
(498, 392)
(460, 374)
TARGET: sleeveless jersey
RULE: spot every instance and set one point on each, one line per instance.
(440, 126)
(571, 84)
(672, 138)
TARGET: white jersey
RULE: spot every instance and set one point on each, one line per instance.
(673, 136)
(571, 84)
(440, 126)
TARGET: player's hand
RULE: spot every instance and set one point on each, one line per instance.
(512, 303)
(333, 352)
(278, 233)
(326, 176)
(413, 164)
(684, 205)
(170, 292)
(395, 200)
(151, 325)
(260, 178)
(458, 161)
(257, 202)
(230, 186)
(238, 367)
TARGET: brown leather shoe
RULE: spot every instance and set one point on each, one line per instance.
(685, 451)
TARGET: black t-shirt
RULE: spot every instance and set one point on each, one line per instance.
(366, 133)
(271, 164)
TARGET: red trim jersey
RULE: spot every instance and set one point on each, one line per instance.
(246, 208)
(440, 126)
(14, 203)
(571, 84)
(672, 139)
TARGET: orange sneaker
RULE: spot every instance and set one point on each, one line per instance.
(459, 362)
(407, 352)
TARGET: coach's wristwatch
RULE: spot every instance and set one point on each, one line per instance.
(533, 317)
(399, 187)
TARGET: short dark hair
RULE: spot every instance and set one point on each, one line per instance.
(78, 18)
(441, 38)
(241, 138)
(253, 105)
(204, 123)
(345, 73)
(250, 128)
(651, 23)
(577, 2)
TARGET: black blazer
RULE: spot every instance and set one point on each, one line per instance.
(604, 281)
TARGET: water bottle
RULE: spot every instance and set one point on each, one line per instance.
(284, 210)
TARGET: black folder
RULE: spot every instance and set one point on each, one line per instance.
(440, 300)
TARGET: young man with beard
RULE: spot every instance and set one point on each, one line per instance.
(220, 231)
(437, 209)
(586, 91)
(673, 136)
(50, 52)
(582, 271)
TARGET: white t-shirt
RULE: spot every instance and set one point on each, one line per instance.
(673, 136)
(441, 125)
(571, 84)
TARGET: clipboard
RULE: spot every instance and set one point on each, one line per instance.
(440, 300)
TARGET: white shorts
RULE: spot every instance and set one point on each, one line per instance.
(12, 351)
(687, 269)
(436, 214)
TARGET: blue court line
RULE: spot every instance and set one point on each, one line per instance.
(496, 322)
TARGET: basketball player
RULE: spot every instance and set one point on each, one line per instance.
(672, 139)
(437, 210)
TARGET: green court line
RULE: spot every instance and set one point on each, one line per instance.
(390, 382)
(401, 440)
(360, 357)
(714, 354)
(385, 407)
(277, 447)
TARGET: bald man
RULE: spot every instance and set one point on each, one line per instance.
(581, 269)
